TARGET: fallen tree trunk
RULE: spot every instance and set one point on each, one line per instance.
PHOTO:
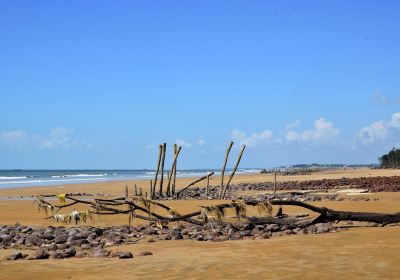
(216, 212)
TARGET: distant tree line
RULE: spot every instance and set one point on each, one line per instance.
(391, 160)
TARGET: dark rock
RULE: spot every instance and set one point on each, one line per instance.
(245, 233)
(121, 255)
(324, 228)
(63, 254)
(26, 230)
(62, 246)
(101, 253)
(39, 254)
(150, 231)
(61, 239)
(15, 256)
(145, 253)
(33, 240)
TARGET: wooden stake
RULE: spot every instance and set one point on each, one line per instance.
(158, 168)
(173, 170)
(234, 171)
(174, 180)
(169, 180)
(223, 168)
(151, 189)
(136, 188)
(164, 148)
(274, 182)
(140, 191)
(126, 190)
(208, 185)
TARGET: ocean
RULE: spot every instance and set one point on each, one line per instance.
(29, 178)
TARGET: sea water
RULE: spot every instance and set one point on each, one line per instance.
(28, 178)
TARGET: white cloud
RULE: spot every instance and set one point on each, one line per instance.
(59, 137)
(379, 130)
(323, 131)
(382, 99)
(293, 125)
(395, 121)
(13, 136)
(183, 143)
(252, 140)
(374, 132)
(201, 142)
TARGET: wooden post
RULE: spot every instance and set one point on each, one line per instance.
(140, 191)
(234, 171)
(169, 180)
(223, 168)
(156, 174)
(274, 182)
(136, 188)
(151, 189)
(126, 190)
(174, 179)
(208, 185)
(173, 170)
(164, 148)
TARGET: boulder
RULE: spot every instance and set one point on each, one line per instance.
(39, 254)
(15, 256)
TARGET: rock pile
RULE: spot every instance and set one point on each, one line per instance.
(62, 242)
(372, 184)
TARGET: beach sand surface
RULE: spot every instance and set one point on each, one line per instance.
(354, 253)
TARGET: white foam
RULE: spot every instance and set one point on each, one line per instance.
(12, 177)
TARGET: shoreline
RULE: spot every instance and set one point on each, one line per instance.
(116, 187)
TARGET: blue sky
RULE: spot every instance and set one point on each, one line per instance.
(99, 84)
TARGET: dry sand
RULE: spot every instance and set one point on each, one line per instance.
(357, 253)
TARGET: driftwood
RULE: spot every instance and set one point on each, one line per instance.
(174, 180)
(223, 168)
(171, 189)
(233, 172)
(153, 191)
(142, 208)
(164, 150)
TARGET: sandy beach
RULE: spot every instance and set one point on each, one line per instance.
(356, 253)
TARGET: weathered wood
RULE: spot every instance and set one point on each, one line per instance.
(126, 191)
(174, 179)
(136, 188)
(195, 182)
(112, 207)
(157, 170)
(274, 182)
(172, 173)
(164, 149)
(234, 171)
(168, 182)
(151, 189)
(223, 168)
(208, 186)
